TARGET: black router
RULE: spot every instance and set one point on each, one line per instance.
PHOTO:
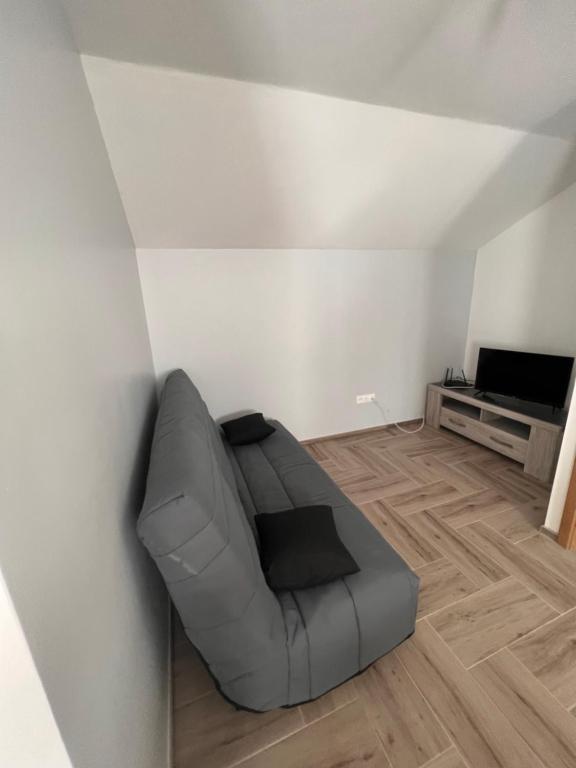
(456, 382)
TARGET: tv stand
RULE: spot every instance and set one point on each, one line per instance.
(533, 441)
(485, 397)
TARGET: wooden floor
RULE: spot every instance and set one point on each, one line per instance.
(489, 678)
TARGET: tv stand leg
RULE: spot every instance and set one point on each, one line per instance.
(433, 408)
(542, 452)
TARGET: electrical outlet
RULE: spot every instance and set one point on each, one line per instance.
(361, 399)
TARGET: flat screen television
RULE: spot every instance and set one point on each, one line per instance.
(537, 378)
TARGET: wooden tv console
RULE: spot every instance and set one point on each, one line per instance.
(532, 441)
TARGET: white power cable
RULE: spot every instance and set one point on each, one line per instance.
(411, 431)
(395, 423)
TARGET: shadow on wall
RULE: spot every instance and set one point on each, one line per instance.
(534, 314)
(146, 580)
(450, 293)
(554, 275)
(517, 168)
(137, 480)
(542, 246)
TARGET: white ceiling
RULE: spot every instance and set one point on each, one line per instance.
(218, 163)
(506, 62)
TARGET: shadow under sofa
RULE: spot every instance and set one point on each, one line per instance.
(264, 649)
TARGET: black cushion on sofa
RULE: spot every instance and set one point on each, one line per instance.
(247, 429)
(300, 548)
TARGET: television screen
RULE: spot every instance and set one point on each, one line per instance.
(525, 375)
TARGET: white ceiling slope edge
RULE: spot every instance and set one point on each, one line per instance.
(204, 162)
(504, 62)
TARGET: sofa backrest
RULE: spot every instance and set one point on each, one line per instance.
(191, 513)
(193, 524)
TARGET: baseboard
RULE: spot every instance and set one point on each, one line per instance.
(548, 532)
(354, 432)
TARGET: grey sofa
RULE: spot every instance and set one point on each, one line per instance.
(265, 650)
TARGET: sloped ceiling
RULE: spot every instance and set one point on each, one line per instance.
(216, 163)
(332, 123)
(504, 62)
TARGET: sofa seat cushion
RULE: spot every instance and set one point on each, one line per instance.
(335, 630)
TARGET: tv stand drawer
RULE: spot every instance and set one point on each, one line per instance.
(482, 432)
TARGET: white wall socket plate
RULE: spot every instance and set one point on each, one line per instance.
(360, 399)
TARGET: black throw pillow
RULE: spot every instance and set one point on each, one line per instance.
(300, 548)
(247, 429)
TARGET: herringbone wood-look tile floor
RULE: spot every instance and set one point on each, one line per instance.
(489, 678)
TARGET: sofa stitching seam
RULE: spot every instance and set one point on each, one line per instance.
(239, 465)
(297, 604)
(288, 658)
(357, 622)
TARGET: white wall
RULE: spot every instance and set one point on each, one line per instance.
(77, 389)
(523, 298)
(563, 471)
(24, 708)
(525, 284)
(204, 162)
(298, 334)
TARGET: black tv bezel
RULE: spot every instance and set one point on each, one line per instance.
(547, 403)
